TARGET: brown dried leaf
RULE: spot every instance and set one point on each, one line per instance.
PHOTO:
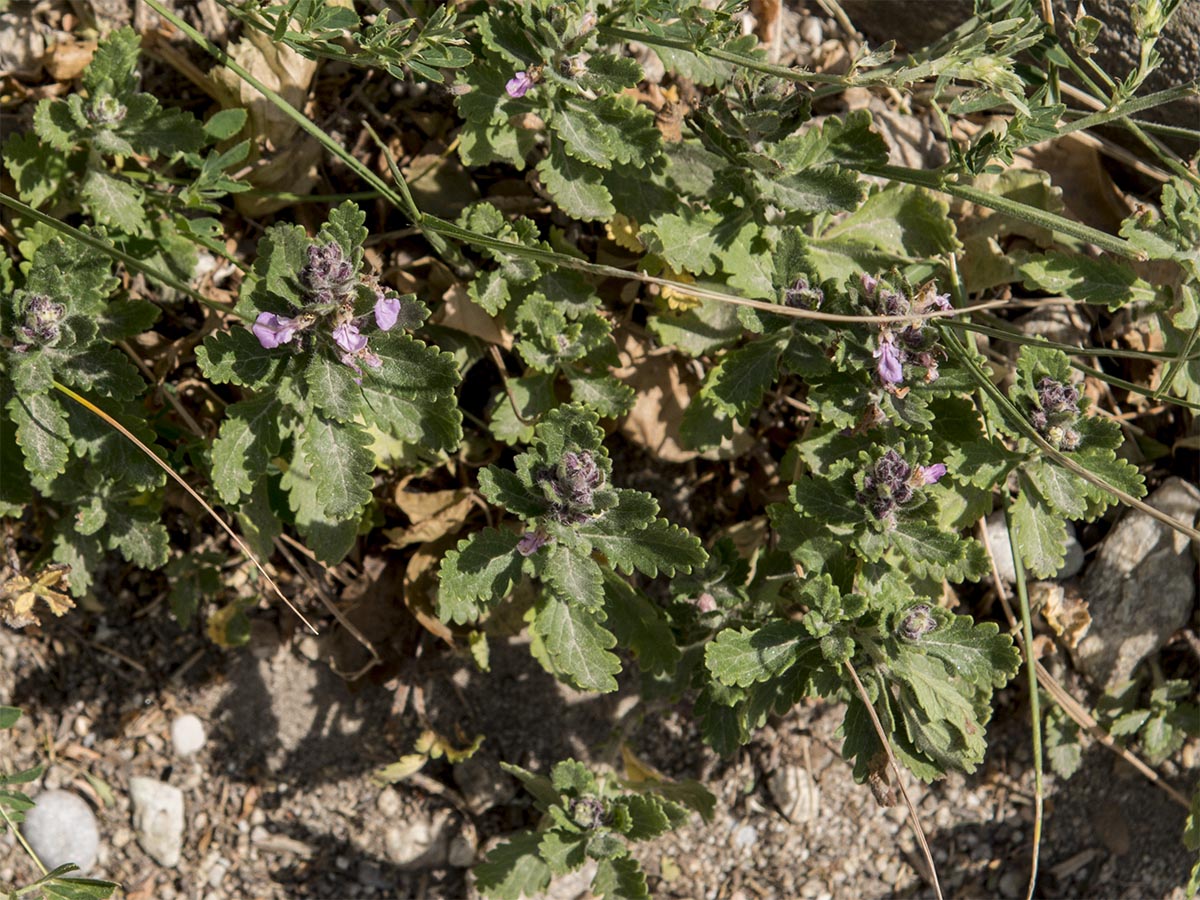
(433, 514)
(421, 584)
(22, 592)
(1067, 615)
(66, 61)
(460, 312)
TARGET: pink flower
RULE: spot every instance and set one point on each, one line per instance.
(890, 366)
(931, 474)
(387, 311)
(869, 284)
(518, 85)
(531, 542)
(347, 337)
(273, 330)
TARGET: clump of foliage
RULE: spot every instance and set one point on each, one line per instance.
(794, 267)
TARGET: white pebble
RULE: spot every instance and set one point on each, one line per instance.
(62, 829)
(187, 735)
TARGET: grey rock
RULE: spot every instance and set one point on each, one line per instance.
(62, 829)
(1140, 588)
(419, 843)
(187, 735)
(998, 538)
(158, 819)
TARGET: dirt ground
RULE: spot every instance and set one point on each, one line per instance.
(279, 803)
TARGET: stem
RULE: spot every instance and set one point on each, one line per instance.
(131, 262)
(1035, 711)
(939, 182)
(1016, 337)
(660, 40)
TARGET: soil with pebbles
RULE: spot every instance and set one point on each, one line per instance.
(280, 802)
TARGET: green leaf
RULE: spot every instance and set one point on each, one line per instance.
(584, 136)
(659, 546)
(576, 186)
(513, 869)
(688, 242)
(332, 388)
(223, 125)
(1038, 532)
(739, 381)
(106, 371)
(167, 132)
(620, 879)
(345, 227)
(340, 463)
(648, 816)
(505, 488)
(1106, 280)
(573, 575)
(483, 567)
(901, 221)
(43, 436)
(38, 174)
(932, 552)
(9, 716)
(577, 645)
(743, 657)
(236, 357)
(640, 625)
(330, 541)
(812, 191)
(849, 142)
(603, 393)
(974, 651)
(980, 463)
(126, 318)
(563, 853)
(250, 436)
(56, 887)
(113, 69)
(113, 202)
(138, 534)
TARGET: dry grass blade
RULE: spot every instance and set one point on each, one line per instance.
(912, 810)
(109, 420)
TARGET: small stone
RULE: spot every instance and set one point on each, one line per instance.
(388, 803)
(1012, 884)
(811, 31)
(462, 852)
(745, 837)
(61, 828)
(419, 843)
(217, 873)
(187, 735)
(309, 648)
(158, 819)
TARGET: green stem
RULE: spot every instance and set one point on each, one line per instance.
(1129, 107)
(939, 182)
(1016, 337)
(659, 40)
(1135, 388)
(131, 262)
(282, 105)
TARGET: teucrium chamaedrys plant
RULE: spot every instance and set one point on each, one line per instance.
(577, 532)
(328, 356)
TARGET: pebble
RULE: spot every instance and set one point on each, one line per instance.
(187, 735)
(61, 828)
(419, 843)
(746, 836)
(388, 803)
(794, 791)
(483, 783)
(158, 819)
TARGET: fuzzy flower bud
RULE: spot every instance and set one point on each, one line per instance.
(42, 316)
(917, 622)
(106, 111)
(328, 278)
(801, 296)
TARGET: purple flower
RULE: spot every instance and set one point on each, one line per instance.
(890, 367)
(531, 542)
(387, 311)
(347, 337)
(273, 330)
(869, 284)
(328, 277)
(518, 85)
(931, 474)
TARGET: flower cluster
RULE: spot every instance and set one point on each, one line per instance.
(588, 812)
(890, 481)
(1056, 412)
(571, 488)
(40, 326)
(894, 348)
(916, 622)
(331, 285)
(106, 111)
(801, 296)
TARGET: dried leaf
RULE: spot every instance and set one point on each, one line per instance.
(421, 584)
(460, 312)
(1068, 616)
(21, 593)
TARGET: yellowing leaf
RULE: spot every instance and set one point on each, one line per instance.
(623, 230)
(21, 593)
(677, 300)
